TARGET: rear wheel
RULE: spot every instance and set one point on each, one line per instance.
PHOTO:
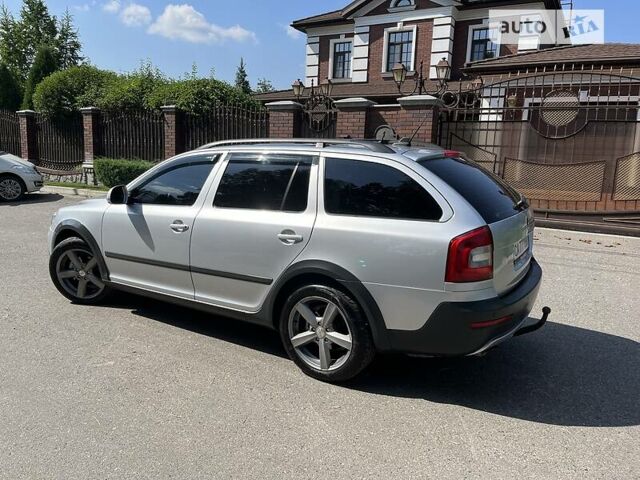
(326, 334)
(11, 188)
(75, 272)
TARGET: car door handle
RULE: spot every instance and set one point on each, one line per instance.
(178, 226)
(289, 237)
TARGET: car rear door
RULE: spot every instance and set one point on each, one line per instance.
(256, 220)
(146, 242)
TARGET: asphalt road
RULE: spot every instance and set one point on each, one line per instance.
(139, 389)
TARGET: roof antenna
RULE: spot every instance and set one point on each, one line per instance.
(407, 141)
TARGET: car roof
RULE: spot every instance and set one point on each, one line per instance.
(403, 150)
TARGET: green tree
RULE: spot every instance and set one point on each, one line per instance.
(36, 27)
(20, 38)
(10, 54)
(10, 93)
(242, 79)
(264, 86)
(68, 43)
(45, 63)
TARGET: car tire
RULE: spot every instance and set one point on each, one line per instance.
(12, 188)
(326, 333)
(75, 271)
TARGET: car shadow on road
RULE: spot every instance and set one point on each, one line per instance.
(561, 375)
(34, 198)
(223, 328)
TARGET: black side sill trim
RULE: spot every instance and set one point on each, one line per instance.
(186, 268)
(233, 276)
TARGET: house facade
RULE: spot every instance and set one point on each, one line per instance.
(357, 47)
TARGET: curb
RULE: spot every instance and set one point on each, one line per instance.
(69, 191)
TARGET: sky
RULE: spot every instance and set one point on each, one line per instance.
(119, 34)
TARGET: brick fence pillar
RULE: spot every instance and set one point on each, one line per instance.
(28, 135)
(419, 112)
(352, 117)
(284, 119)
(90, 125)
(173, 131)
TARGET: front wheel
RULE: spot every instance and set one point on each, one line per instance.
(75, 272)
(11, 188)
(326, 333)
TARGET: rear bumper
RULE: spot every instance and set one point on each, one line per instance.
(464, 328)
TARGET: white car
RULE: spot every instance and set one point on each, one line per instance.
(17, 177)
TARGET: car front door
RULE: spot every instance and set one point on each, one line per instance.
(252, 226)
(146, 242)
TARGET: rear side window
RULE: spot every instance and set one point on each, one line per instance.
(353, 187)
(265, 182)
(489, 195)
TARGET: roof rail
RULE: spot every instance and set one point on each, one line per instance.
(371, 145)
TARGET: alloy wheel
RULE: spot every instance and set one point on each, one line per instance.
(78, 273)
(10, 189)
(320, 334)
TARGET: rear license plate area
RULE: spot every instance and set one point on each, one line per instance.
(522, 253)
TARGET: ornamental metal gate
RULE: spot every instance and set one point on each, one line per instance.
(567, 138)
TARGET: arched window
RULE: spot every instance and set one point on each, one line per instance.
(402, 3)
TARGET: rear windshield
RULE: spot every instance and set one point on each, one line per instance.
(489, 195)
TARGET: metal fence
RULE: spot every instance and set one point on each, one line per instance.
(224, 122)
(60, 142)
(9, 132)
(132, 135)
(568, 137)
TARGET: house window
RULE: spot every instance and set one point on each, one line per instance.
(402, 3)
(482, 44)
(342, 60)
(400, 49)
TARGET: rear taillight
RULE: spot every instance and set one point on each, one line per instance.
(452, 154)
(470, 257)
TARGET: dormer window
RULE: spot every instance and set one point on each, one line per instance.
(401, 5)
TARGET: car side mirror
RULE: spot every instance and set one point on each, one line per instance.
(118, 195)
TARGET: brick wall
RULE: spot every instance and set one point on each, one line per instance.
(405, 121)
(283, 124)
(352, 122)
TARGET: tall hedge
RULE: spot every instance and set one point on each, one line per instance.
(72, 89)
(145, 88)
(10, 92)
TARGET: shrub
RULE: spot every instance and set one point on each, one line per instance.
(111, 172)
(198, 95)
(69, 90)
(132, 90)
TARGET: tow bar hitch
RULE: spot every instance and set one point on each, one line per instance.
(536, 326)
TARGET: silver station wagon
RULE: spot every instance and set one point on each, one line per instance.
(348, 248)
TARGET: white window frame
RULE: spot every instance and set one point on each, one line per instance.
(385, 47)
(481, 26)
(332, 51)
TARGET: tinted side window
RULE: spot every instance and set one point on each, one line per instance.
(178, 184)
(265, 182)
(353, 187)
(493, 199)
